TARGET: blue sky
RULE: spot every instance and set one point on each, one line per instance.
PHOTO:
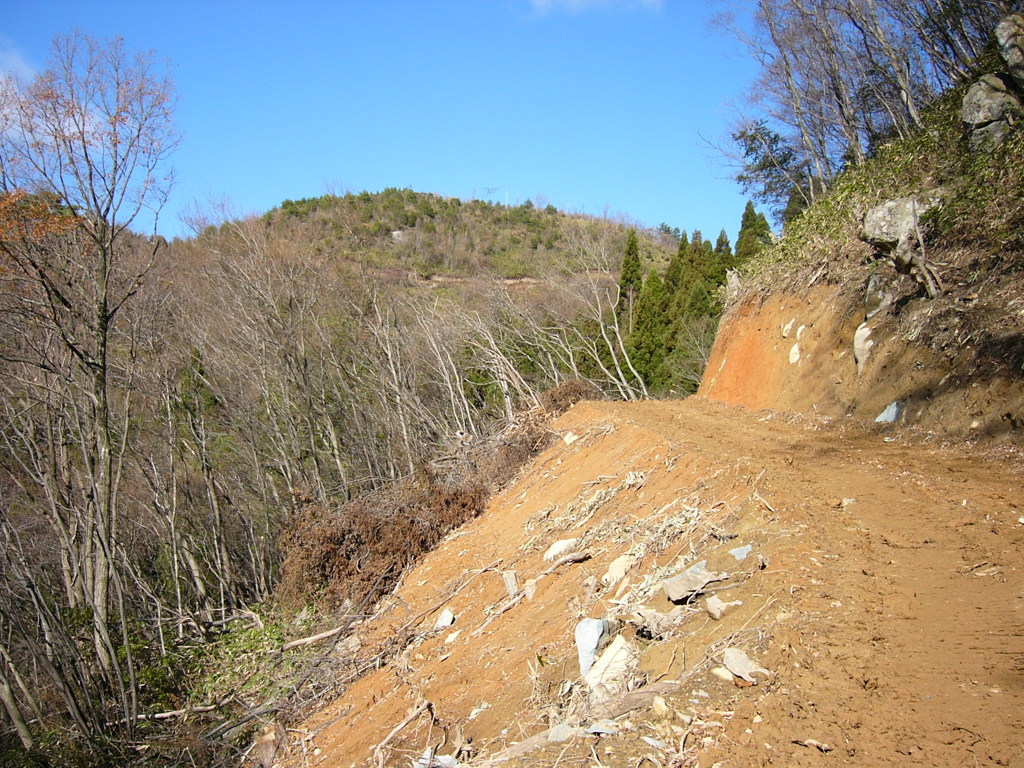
(592, 105)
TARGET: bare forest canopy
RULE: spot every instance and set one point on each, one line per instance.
(842, 78)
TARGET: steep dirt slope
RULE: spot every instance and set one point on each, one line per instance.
(882, 591)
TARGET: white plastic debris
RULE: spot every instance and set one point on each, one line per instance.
(794, 354)
(690, 581)
(589, 633)
(569, 438)
(741, 665)
(559, 548)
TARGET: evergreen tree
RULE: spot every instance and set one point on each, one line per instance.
(630, 279)
(755, 234)
(723, 249)
(674, 273)
(647, 343)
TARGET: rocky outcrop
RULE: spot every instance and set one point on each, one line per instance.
(993, 103)
(989, 109)
(894, 229)
(1010, 38)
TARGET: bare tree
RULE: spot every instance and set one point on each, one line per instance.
(81, 158)
(840, 76)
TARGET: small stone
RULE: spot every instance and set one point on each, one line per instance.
(530, 588)
(446, 619)
(717, 608)
(722, 674)
(660, 707)
(740, 553)
(741, 665)
(511, 583)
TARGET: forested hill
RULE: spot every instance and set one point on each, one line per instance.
(434, 236)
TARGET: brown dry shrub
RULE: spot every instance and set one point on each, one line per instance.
(499, 459)
(357, 551)
(560, 399)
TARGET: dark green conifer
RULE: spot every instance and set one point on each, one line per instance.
(630, 279)
(755, 234)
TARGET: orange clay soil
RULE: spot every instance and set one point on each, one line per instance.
(883, 591)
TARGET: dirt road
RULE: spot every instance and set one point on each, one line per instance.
(882, 591)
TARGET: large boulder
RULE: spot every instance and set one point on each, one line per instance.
(894, 224)
(894, 228)
(1010, 37)
(988, 110)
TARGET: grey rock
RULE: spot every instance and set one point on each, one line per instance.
(878, 295)
(988, 110)
(893, 228)
(889, 414)
(655, 623)
(717, 608)
(741, 665)
(690, 582)
(1010, 37)
(562, 732)
(740, 553)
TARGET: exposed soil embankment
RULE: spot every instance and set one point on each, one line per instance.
(875, 576)
(951, 365)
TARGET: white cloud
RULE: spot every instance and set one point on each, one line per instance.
(12, 63)
(545, 7)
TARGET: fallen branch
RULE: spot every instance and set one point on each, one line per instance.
(172, 713)
(572, 557)
(314, 638)
(378, 751)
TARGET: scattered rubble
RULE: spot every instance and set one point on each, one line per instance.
(690, 582)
